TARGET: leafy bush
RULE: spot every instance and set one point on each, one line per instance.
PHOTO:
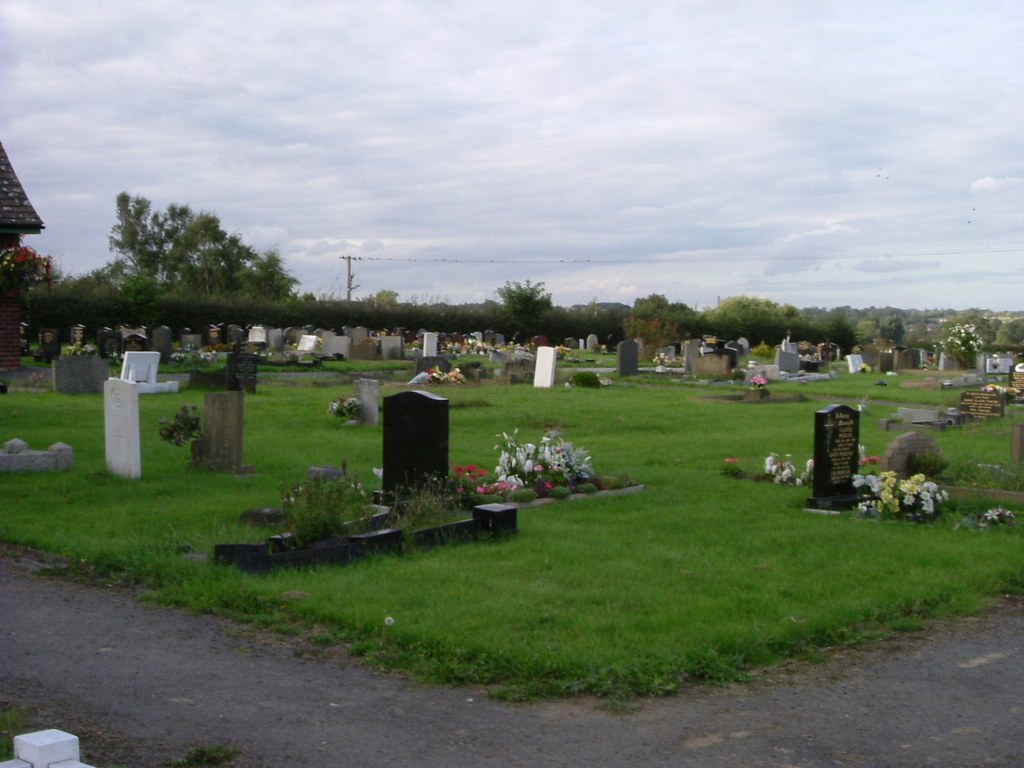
(587, 379)
(523, 495)
(185, 425)
(560, 492)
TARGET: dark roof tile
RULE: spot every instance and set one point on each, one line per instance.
(16, 211)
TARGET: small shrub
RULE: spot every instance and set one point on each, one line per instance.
(560, 492)
(586, 488)
(587, 379)
(927, 464)
(186, 425)
(613, 482)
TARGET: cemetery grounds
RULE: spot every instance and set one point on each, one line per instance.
(698, 578)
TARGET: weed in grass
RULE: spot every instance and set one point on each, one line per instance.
(206, 757)
(13, 722)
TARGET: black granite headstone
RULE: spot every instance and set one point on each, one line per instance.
(243, 371)
(415, 441)
(836, 457)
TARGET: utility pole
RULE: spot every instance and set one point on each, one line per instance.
(349, 285)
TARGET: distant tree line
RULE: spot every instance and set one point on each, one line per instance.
(179, 268)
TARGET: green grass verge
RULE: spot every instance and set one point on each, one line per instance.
(696, 578)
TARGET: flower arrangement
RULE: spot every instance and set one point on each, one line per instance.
(758, 382)
(886, 497)
(552, 462)
(1001, 390)
(996, 516)
(436, 376)
(468, 479)
(782, 471)
(731, 468)
(865, 368)
(21, 267)
(662, 359)
(79, 349)
(345, 408)
(963, 342)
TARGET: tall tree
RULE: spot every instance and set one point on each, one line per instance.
(187, 252)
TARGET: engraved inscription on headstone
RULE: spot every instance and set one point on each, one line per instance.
(836, 457)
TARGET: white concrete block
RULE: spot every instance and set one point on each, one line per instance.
(70, 764)
(43, 748)
(15, 764)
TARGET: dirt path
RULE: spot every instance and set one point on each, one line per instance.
(141, 684)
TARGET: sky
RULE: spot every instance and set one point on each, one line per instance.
(829, 153)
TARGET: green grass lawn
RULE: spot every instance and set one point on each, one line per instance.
(696, 578)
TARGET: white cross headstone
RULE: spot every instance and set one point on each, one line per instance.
(121, 423)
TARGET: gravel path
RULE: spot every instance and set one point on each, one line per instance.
(141, 684)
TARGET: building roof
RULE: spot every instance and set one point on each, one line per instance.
(17, 215)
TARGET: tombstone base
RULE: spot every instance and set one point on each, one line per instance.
(833, 503)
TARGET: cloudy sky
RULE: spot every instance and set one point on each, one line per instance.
(825, 153)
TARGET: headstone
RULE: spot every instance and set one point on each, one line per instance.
(292, 335)
(769, 372)
(415, 441)
(1017, 444)
(836, 457)
(886, 363)
(49, 344)
(499, 339)
(628, 354)
(1017, 382)
(998, 364)
(368, 394)
(854, 363)
(743, 345)
(220, 447)
(367, 349)
(539, 341)
(109, 342)
(308, 344)
(430, 344)
(257, 335)
(359, 333)
(713, 364)
(134, 340)
(897, 455)
(691, 352)
(78, 334)
(80, 374)
(918, 415)
(326, 340)
(391, 348)
(545, 368)
(235, 334)
(275, 340)
(788, 362)
(214, 335)
(593, 344)
(243, 371)
(162, 341)
(121, 428)
(191, 342)
(982, 405)
(338, 347)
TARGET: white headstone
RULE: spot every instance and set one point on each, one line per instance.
(854, 362)
(368, 394)
(121, 422)
(544, 369)
(430, 344)
(307, 343)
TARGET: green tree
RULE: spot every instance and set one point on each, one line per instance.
(526, 304)
(190, 253)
